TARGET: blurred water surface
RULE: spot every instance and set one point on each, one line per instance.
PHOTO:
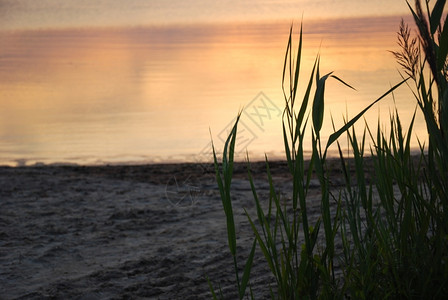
(138, 94)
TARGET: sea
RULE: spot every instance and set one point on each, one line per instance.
(113, 82)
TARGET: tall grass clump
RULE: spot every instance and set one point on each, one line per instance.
(383, 233)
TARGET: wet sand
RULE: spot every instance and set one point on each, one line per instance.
(125, 232)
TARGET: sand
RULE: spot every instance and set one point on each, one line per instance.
(125, 232)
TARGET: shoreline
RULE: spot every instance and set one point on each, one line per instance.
(159, 173)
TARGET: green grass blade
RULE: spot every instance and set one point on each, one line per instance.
(227, 161)
(304, 106)
(318, 103)
(343, 82)
(443, 46)
(344, 128)
(265, 226)
(285, 63)
(436, 15)
(212, 290)
(297, 66)
(287, 150)
(224, 183)
(247, 269)
(264, 248)
(409, 133)
(218, 175)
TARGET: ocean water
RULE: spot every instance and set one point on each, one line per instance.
(33, 14)
(160, 92)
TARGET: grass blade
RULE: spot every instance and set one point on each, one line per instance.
(247, 269)
(436, 15)
(350, 123)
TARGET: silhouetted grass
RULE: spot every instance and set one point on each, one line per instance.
(393, 228)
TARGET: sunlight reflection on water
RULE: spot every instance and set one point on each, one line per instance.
(151, 94)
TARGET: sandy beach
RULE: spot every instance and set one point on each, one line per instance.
(124, 232)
